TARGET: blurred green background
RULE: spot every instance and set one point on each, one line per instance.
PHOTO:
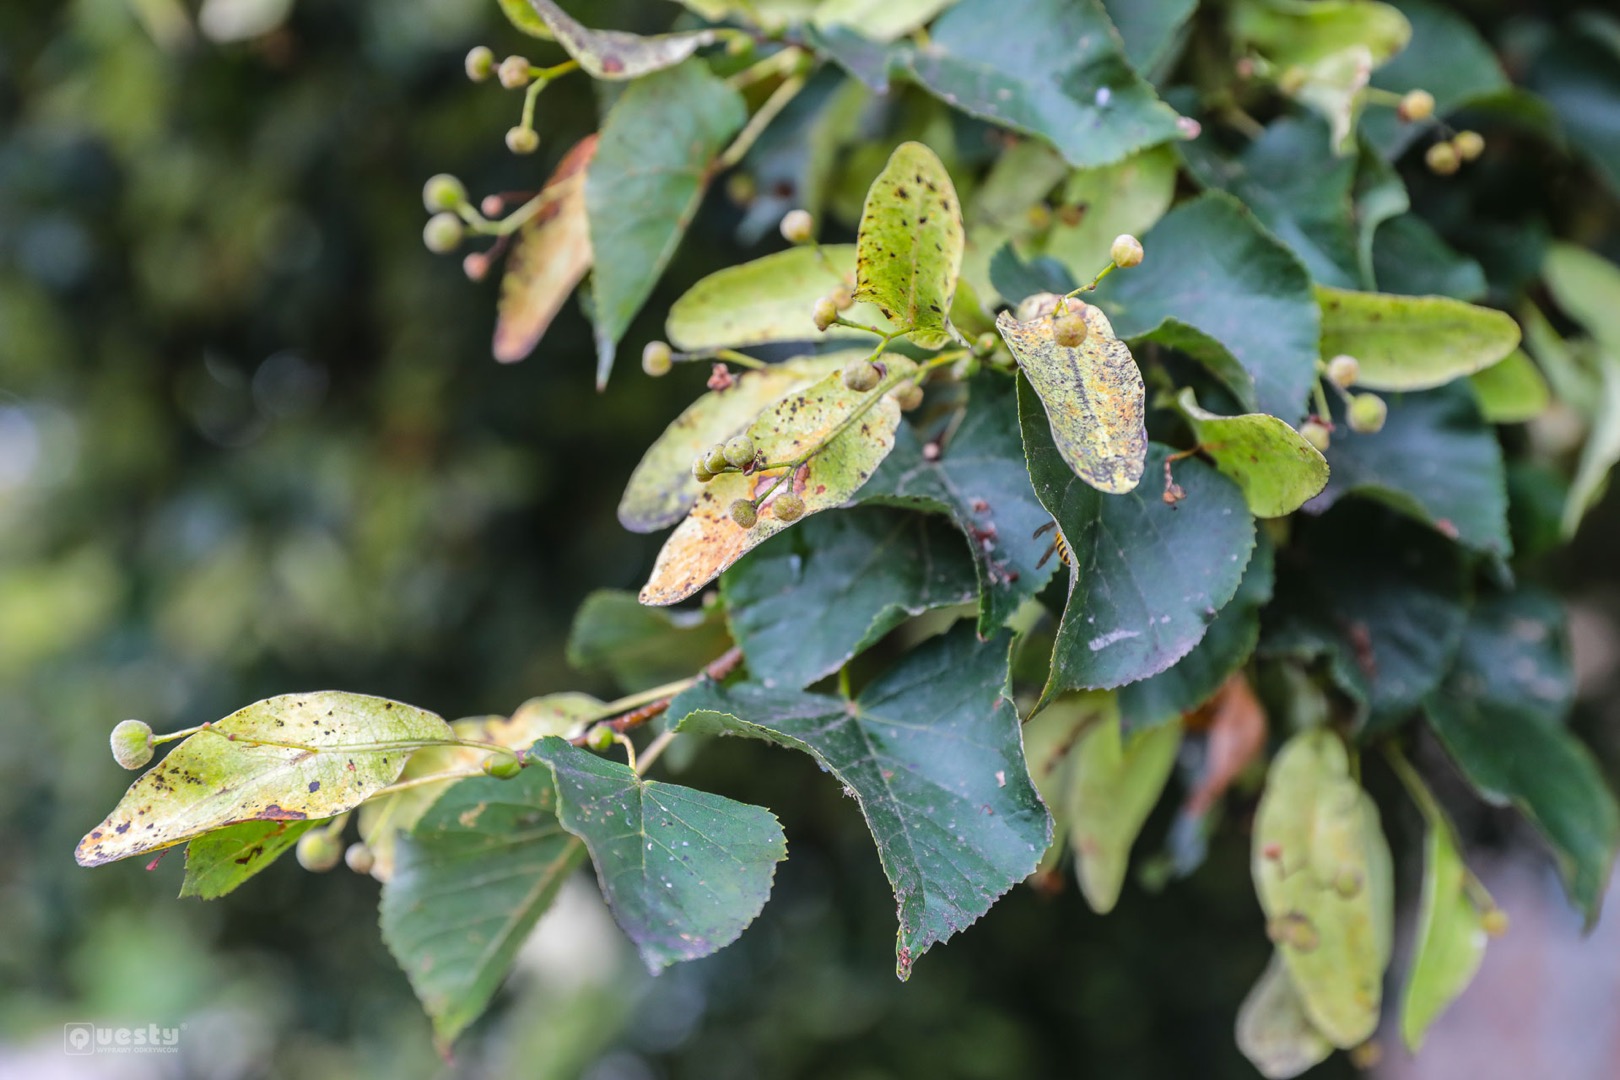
(252, 442)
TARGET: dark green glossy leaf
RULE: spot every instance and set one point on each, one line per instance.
(1382, 598)
(1148, 576)
(1150, 29)
(1410, 258)
(863, 572)
(1217, 286)
(641, 646)
(1016, 279)
(1435, 459)
(469, 882)
(684, 871)
(219, 861)
(1226, 646)
(1500, 715)
(1296, 186)
(652, 165)
(1061, 76)
(931, 751)
(981, 481)
(1446, 57)
(1578, 73)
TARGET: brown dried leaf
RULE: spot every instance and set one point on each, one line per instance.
(552, 254)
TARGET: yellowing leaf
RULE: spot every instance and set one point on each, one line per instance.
(1092, 394)
(1276, 468)
(879, 20)
(1322, 871)
(551, 255)
(1450, 935)
(1413, 342)
(339, 749)
(908, 253)
(1512, 391)
(613, 54)
(709, 540)
(1272, 1029)
(769, 299)
(662, 488)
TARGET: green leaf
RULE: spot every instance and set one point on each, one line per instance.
(1092, 393)
(709, 540)
(1447, 57)
(653, 160)
(684, 871)
(1601, 450)
(879, 20)
(1128, 196)
(1436, 459)
(1587, 288)
(643, 647)
(1272, 1029)
(1383, 599)
(1578, 74)
(613, 54)
(1150, 29)
(1219, 287)
(769, 299)
(1101, 785)
(219, 861)
(1276, 468)
(1296, 186)
(1511, 392)
(345, 747)
(1410, 258)
(1413, 342)
(1380, 196)
(471, 879)
(521, 15)
(550, 256)
(864, 571)
(932, 753)
(1334, 44)
(1016, 280)
(981, 481)
(909, 249)
(1323, 873)
(1061, 76)
(1499, 715)
(662, 488)
(1450, 935)
(385, 818)
(1147, 576)
(1226, 646)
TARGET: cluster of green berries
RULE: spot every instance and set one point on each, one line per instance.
(132, 743)
(1069, 327)
(1364, 413)
(513, 73)
(737, 453)
(1448, 155)
(786, 507)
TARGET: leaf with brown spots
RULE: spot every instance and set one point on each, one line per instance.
(338, 750)
(708, 541)
(552, 254)
(662, 488)
(1092, 393)
(217, 862)
(908, 253)
(614, 54)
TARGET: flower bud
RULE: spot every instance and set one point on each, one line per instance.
(1469, 145)
(798, 226)
(514, 72)
(600, 738)
(908, 395)
(1069, 329)
(443, 233)
(501, 766)
(522, 140)
(657, 358)
(132, 743)
(1126, 252)
(480, 63)
(318, 851)
(1343, 370)
(359, 858)
(443, 192)
(1442, 159)
(1416, 105)
(714, 459)
(744, 513)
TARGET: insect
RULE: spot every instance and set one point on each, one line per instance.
(1060, 546)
